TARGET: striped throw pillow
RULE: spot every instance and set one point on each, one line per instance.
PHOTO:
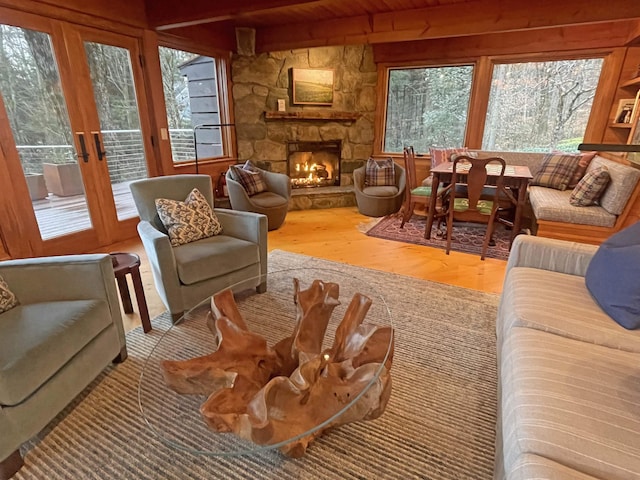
(8, 299)
(380, 173)
(556, 171)
(441, 155)
(590, 188)
(249, 177)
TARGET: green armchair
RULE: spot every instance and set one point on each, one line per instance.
(66, 329)
(187, 274)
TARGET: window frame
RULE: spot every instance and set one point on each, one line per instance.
(223, 75)
(483, 66)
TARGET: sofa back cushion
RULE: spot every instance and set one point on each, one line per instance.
(612, 277)
(556, 171)
(623, 181)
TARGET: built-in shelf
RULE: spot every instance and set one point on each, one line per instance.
(634, 82)
(330, 115)
(620, 125)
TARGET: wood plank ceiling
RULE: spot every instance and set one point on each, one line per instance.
(287, 24)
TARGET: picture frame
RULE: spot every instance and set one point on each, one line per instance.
(312, 86)
(624, 105)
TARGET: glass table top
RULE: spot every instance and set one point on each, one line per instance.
(271, 417)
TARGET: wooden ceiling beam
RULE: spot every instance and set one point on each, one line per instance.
(169, 14)
(450, 20)
(555, 39)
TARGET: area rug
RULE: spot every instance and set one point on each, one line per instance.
(439, 423)
(466, 238)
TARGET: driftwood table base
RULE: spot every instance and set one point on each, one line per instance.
(280, 394)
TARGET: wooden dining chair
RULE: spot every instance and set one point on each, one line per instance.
(416, 193)
(469, 204)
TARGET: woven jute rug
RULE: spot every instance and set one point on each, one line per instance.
(439, 423)
(466, 237)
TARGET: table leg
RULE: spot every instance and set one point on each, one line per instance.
(432, 205)
(140, 298)
(124, 293)
(522, 196)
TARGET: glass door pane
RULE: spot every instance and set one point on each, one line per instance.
(120, 141)
(34, 101)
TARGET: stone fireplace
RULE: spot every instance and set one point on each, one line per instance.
(314, 164)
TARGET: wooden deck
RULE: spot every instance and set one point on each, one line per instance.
(58, 216)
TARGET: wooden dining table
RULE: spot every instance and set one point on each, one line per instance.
(515, 182)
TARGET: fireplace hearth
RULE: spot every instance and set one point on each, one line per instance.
(314, 164)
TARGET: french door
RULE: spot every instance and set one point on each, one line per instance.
(72, 134)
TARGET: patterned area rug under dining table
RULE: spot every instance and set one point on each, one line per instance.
(439, 423)
(466, 237)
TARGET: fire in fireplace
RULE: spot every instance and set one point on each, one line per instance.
(314, 164)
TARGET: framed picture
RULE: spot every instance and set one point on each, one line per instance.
(625, 111)
(312, 86)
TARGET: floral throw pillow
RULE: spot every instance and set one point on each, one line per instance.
(590, 188)
(8, 299)
(249, 177)
(379, 173)
(190, 220)
(556, 171)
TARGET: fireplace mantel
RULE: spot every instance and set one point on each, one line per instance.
(332, 115)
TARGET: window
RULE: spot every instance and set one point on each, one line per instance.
(539, 106)
(427, 107)
(192, 100)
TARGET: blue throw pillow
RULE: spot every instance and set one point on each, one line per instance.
(613, 277)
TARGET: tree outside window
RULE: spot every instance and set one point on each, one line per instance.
(427, 107)
(540, 106)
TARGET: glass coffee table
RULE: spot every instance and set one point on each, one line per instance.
(353, 372)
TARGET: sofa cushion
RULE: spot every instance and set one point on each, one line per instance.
(249, 177)
(568, 309)
(213, 256)
(384, 191)
(553, 205)
(269, 199)
(380, 172)
(529, 466)
(623, 180)
(573, 403)
(190, 220)
(8, 299)
(556, 171)
(581, 169)
(36, 340)
(613, 274)
(590, 187)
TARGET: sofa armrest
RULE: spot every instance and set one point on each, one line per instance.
(549, 254)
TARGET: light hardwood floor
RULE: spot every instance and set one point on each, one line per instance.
(335, 234)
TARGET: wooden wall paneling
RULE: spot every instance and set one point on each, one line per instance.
(219, 37)
(600, 118)
(473, 18)
(380, 118)
(479, 102)
(125, 16)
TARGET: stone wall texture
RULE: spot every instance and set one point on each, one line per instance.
(259, 81)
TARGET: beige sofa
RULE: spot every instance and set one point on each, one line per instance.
(553, 216)
(569, 376)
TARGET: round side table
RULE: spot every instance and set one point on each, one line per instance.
(129, 263)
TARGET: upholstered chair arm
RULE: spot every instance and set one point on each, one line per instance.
(68, 277)
(277, 183)
(248, 226)
(163, 265)
(238, 195)
(550, 254)
(358, 178)
(401, 178)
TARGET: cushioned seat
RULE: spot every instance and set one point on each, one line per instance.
(573, 403)
(38, 339)
(221, 254)
(581, 319)
(529, 466)
(553, 205)
(379, 200)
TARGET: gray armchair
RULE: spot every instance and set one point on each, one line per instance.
(274, 203)
(66, 329)
(187, 274)
(379, 201)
